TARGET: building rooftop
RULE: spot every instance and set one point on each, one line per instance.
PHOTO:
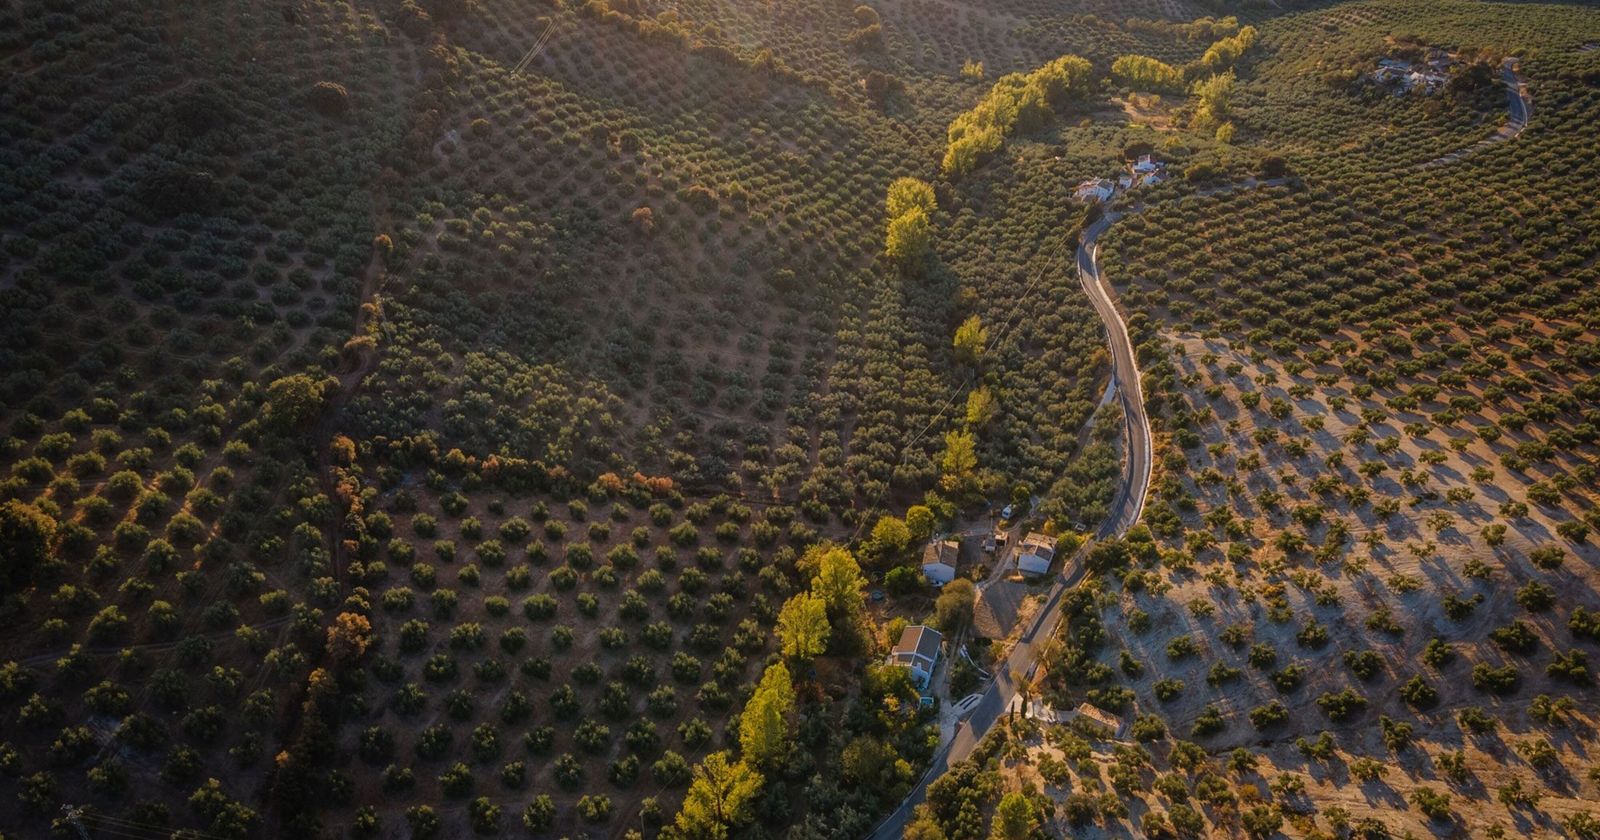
(918, 640)
(1037, 543)
(946, 551)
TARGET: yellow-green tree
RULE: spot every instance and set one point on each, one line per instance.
(1063, 80)
(909, 238)
(26, 535)
(969, 341)
(960, 460)
(838, 582)
(969, 146)
(1222, 54)
(981, 407)
(1016, 102)
(1212, 98)
(803, 627)
(924, 825)
(953, 609)
(764, 726)
(891, 534)
(1141, 72)
(906, 194)
(719, 798)
(294, 401)
(920, 521)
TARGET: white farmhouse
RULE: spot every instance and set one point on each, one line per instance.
(1095, 190)
(1034, 555)
(940, 560)
(918, 651)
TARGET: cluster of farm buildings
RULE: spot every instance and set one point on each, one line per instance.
(941, 559)
(1426, 76)
(1143, 172)
(919, 646)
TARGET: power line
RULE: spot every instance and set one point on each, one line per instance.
(538, 46)
(121, 827)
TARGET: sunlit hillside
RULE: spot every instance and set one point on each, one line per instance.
(736, 419)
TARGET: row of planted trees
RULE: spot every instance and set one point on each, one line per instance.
(778, 731)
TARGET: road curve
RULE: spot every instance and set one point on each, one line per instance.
(1126, 508)
(1519, 108)
(1135, 485)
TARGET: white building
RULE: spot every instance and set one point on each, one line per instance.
(918, 651)
(940, 561)
(1095, 190)
(1405, 78)
(1033, 565)
(1035, 554)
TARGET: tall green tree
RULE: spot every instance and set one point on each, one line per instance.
(1222, 54)
(764, 728)
(891, 535)
(1014, 818)
(960, 460)
(907, 194)
(953, 609)
(719, 799)
(909, 238)
(26, 534)
(920, 521)
(294, 402)
(969, 341)
(924, 825)
(1017, 102)
(1142, 72)
(1212, 99)
(981, 407)
(803, 626)
(838, 582)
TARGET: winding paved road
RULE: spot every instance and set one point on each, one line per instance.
(1135, 485)
(1128, 505)
(1125, 511)
(1519, 107)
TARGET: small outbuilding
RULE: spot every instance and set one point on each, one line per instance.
(1101, 717)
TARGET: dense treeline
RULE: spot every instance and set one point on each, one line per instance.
(1144, 73)
(1017, 103)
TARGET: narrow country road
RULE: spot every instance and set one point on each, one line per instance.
(1519, 107)
(1135, 485)
(1125, 511)
(1132, 491)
